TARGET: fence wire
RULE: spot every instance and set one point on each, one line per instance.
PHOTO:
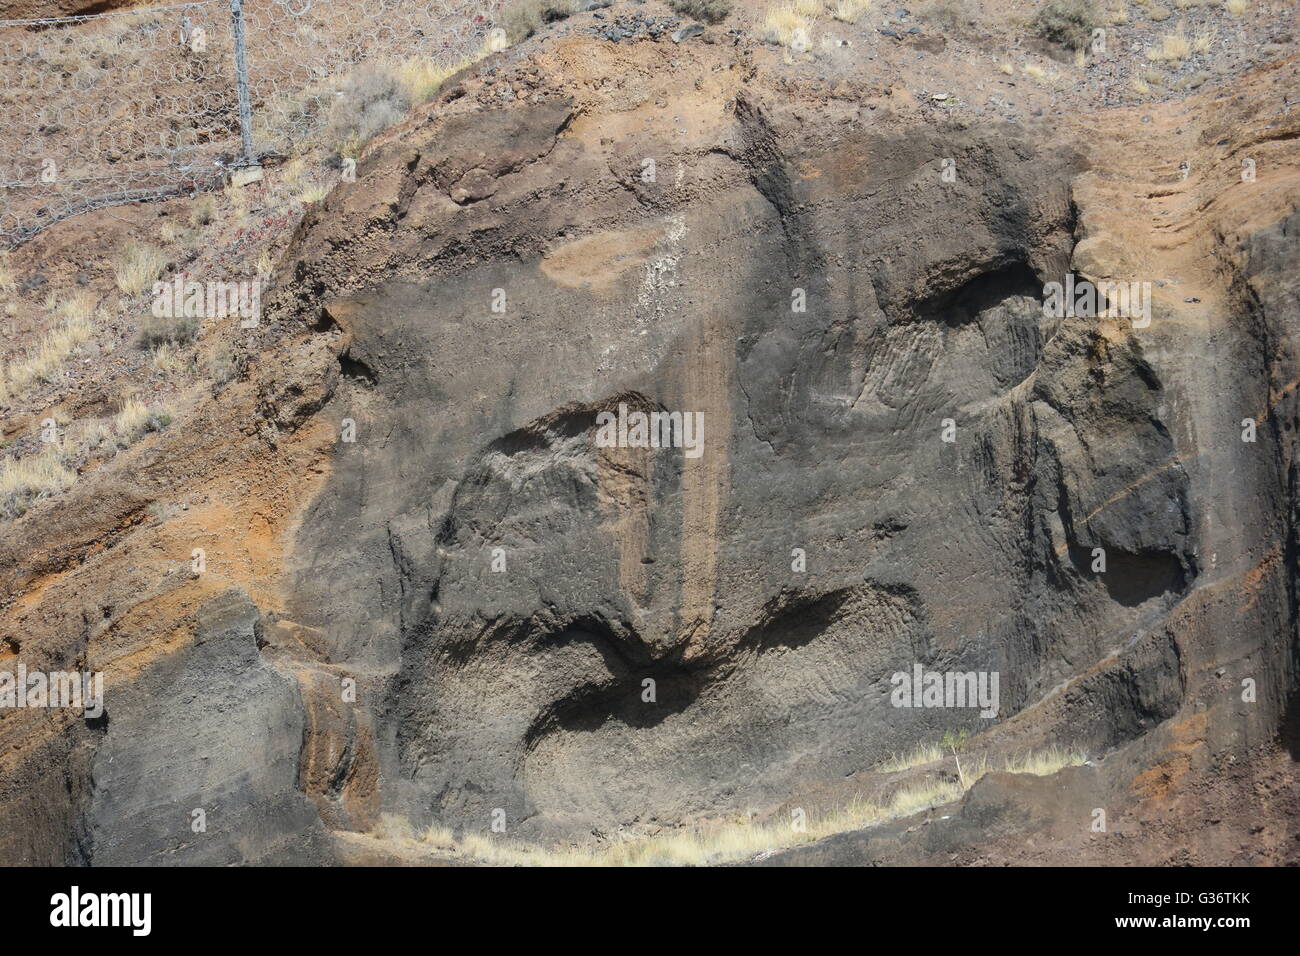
(144, 103)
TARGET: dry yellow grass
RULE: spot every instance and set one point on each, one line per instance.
(137, 268)
(132, 420)
(166, 358)
(921, 754)
(8, 282)
(1174, 47)
(78, 306)
(721, 842)
(292, 172)
(203, 211)
(43, 364)
(1236, 7)
(1204, 40)
(422, 77)
(850, 11)
(312, 193)
(1032, 69)
(1141, 86)
(1008, 69)
(32, 477)
(783, 24)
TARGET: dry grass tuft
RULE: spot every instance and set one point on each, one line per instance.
(850, 11)
(31, 478)
(725, 841)
(312, 193)
(919, 755)
(166, 358)
(1174, 47)
(137, 268)
(136, 419)
(8, 281)
(784, 24)
(44, 364)
(203, 211)
(1236, 7)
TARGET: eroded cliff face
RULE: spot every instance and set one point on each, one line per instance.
(799, 275)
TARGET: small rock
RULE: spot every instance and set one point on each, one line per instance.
(685, 33)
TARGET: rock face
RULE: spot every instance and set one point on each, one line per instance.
(823, 355)
(901, 461)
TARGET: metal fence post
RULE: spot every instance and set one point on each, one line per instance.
(241, 81)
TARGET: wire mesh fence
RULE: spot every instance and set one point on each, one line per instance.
(146, 103)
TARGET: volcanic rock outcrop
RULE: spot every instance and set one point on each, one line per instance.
(479, 611)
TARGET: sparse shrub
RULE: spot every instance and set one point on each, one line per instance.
(708, 11)
(137, 267)
(221, 367)
(951, 15)
(372, 99)
(1067, 22)
(159, 330)
(525, 17)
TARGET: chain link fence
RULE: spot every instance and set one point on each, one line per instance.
(161, 101)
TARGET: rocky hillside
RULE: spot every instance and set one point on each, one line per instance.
(437, 618)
